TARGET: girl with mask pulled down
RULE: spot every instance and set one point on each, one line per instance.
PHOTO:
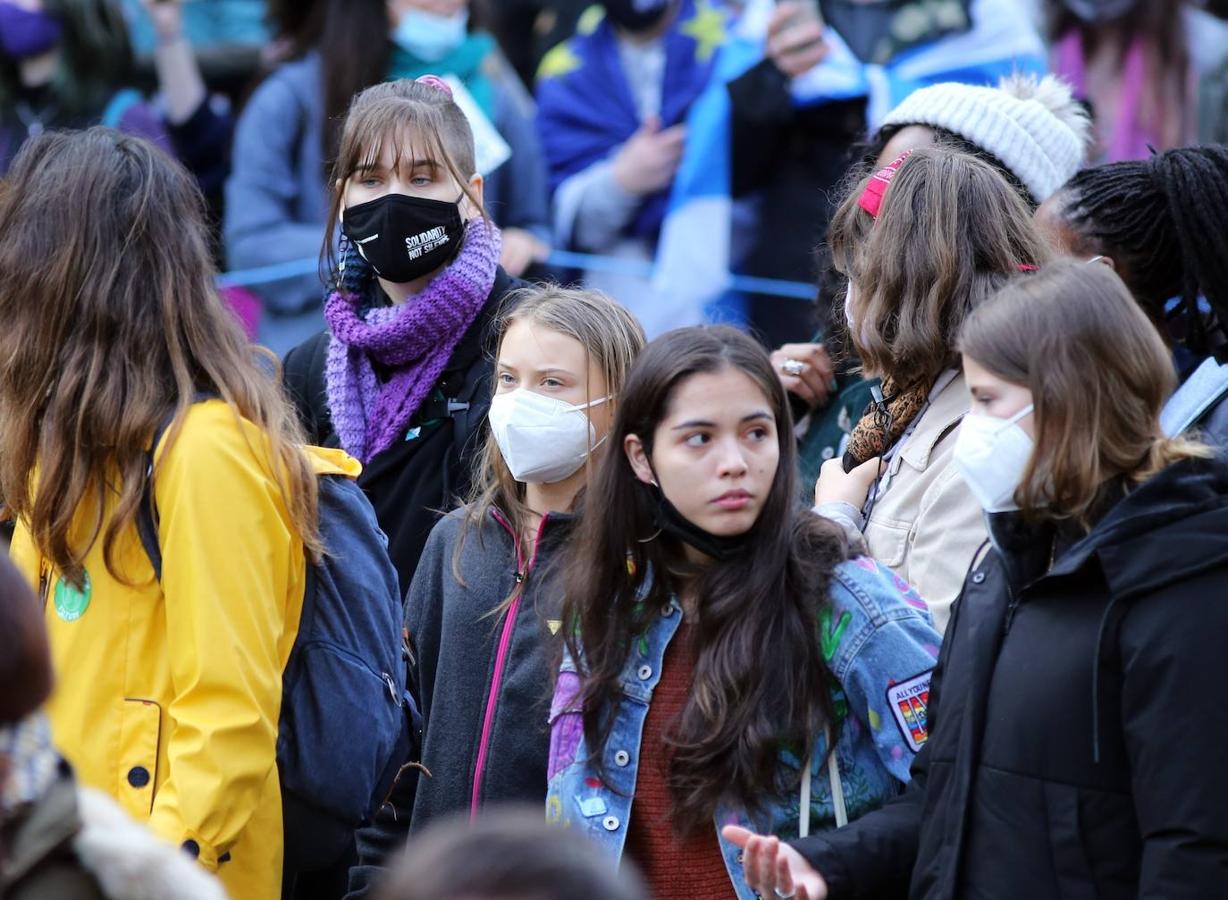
(291, 130)
(1073, 733)
(727, 662)
(401, 379)
(482, 613)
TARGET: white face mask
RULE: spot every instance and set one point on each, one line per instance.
(542, 439)
(992, 455)
(863, 333)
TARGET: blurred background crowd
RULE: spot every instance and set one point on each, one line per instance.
(648, 149)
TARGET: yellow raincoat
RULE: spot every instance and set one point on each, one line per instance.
(168, 695)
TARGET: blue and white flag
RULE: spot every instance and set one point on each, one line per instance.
(693, 254)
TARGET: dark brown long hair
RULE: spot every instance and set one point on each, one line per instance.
(1160, 24)
(111, 323)
(1099, 374)
(354, 40)
(949, 234)
(760, 682)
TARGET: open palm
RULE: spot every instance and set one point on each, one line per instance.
(775, 869)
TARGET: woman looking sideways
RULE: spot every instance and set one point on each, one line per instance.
(923, 242)
(722, 649)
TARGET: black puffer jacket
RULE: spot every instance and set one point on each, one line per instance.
(1076, 723)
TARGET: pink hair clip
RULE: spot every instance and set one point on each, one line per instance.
(871, 199)
(436, 82)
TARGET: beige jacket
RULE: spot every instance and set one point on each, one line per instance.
(926, 524)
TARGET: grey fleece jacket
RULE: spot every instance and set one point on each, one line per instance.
(483, 681)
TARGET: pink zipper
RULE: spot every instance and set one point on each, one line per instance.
(505, 641)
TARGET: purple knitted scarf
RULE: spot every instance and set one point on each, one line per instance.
(415, 340)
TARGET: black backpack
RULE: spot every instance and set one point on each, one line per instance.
(346, 716)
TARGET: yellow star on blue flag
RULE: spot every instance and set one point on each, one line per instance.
(707, 28)
(560, 61)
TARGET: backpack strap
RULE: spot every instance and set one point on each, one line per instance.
(147, 511)
(303, 374)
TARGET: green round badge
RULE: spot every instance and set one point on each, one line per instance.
(70, 603)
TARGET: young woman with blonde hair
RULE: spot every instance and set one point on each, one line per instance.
(168, 689)
(1075, 738)
(482, 613)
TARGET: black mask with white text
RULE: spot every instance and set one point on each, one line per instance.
(403, 237)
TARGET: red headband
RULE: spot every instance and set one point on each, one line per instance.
(436, 82)
(871, 199)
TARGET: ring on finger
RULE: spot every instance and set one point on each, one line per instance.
(793, 367)
(782, 895)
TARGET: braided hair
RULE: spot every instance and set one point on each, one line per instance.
(1164, 222)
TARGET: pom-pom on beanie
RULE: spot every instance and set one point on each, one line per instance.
(1034, 127)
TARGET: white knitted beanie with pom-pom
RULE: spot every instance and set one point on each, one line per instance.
(1034, 127)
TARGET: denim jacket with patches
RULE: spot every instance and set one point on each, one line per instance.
(880, 645)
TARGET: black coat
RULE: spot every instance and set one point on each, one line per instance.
(1076, 724)
(412, 482)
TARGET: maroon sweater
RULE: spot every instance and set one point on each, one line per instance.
(682, 866)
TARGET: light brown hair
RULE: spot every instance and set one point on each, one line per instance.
(611, 337)
(112, 323)
(1099, 374)
(950, 232)
(422, 122)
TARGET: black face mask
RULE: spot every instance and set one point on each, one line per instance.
(722, 548)
(637, 15)
(404, 238)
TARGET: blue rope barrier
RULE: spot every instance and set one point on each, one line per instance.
(745, 284)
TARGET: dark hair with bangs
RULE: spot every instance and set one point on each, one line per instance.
(420, 120)
(760, 682)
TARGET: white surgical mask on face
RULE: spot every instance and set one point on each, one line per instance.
(542, 439)
(429, 36)
(992, 455)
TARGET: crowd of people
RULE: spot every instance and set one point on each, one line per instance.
(437, 568)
